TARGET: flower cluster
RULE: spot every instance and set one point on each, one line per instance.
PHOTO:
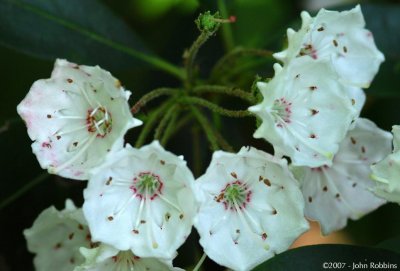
(310, 113)
(386, 173)
(313, 99)
(140, 203)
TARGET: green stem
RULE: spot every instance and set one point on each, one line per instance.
(198, 265)
(226, 28)
(196, 147)
(153, 60)
(206, 127)
(173, 127)
(236, 92)
(24, 189)
(215, 108)
(227, 59)
(223, 143)
(245, 67)
(190, 55)
(164, 121)
(150, 96)
(151, 121)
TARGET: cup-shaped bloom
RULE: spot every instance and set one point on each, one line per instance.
(306, 111)
(75, 118)
(340, 37)
(141, 199)
(343, 190)
(56, 237)
(251, 208)
(386, 173)
(106, 258)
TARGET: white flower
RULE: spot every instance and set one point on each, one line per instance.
(340, 37)
(251, 208)
(56, 237)
(106, 258)
(306, 111)
(141, 199)
(75, 118)
(341, 191)
(387, 172)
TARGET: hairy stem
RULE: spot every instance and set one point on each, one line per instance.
(227, 59)
(206, 127)
(164, 121)
(151, 121)
(174, 126)
(190, 56)
(150, 96)
(215, 108)
(232, 91)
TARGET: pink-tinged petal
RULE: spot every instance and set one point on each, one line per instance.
(56, 237)
(340, 37)
(141, 199)
(106, 258)
(335, 193)
(306, 111)
(386, 173)
(75, 118)
(251, 208)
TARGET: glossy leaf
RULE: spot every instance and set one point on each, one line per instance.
(391, 244)
(330, 257)
(86, 32)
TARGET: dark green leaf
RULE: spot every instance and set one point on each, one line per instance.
(312, 258)
(391, 244)
(258, 20)
(82, 31)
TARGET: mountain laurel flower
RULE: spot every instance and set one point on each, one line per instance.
(343, 190)
(306, 111)
(386, 173)
(251, 208)
(56, 237)
(75, 118)
(106, 258)
(141, 199)
(340, 37)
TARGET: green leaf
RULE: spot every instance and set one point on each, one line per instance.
(86, 32)
(392, 244)
(322, 257)
(258, 20)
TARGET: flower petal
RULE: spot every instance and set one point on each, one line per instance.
(105, 258)
(343, 190)
(306, 112)
(145, 196)
(55, 238)
(251, 208)
(386, 173)
(341, 38)
(75, 118)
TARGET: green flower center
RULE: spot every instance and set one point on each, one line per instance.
(147, 184)
(99, 121)
(235, 195)
(282, 111)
